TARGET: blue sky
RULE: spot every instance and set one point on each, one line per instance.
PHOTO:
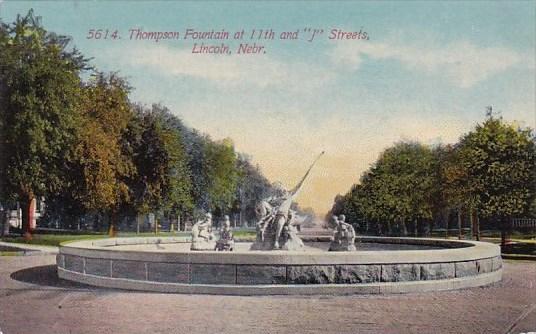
(427, 73)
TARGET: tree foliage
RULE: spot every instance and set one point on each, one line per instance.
(499, 160)
(99, 158)
(491, 172)
(162, 180)
(85, 147)
(252, 187)
(221, 174)
(39, 95)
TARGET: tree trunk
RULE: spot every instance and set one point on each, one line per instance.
(4, 218)
(27, 216)
(472, 222)
(475, 225)
(502, 224)
(460, 234)
(111, 225)
(447, 218)
(389, 228)
(404, 228)
(96, 225)
(431, 224)
(506, 230)
(415, 228)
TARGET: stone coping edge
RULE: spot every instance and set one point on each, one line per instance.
(458, 251)
(313, 289)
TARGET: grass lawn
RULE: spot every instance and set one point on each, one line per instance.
(243, 234)
(57, 239)
(51, 239)
(522, 240)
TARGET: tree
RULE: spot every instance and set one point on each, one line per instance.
(456, 187)
(221, 174)
(39, 93)
(499, 159)
(161, 181)
(397, 189)
(178, 185)
(102, 167)
(195, 144)
(403, 181)
(252, 187)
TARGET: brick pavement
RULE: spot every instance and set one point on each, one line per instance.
(33, 300)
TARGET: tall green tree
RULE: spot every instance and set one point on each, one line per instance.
(162, 180)
(178, 199)
(396, 191)
(500, 159)
(102, 167)
(456, 192)
(39, 94)
(404, 180)
(490, 173)
(252, 187)
(221, 174)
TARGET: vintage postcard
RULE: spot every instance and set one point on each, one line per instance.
(267, 167)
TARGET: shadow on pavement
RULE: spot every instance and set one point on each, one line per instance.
(45, 276)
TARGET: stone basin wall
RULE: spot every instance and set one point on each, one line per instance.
(460, 264)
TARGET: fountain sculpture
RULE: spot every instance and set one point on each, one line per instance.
(275, 229)
(343, 237)
(226, 241)
(202, 236)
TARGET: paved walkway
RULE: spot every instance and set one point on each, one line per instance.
(34, 300)
(40, 248)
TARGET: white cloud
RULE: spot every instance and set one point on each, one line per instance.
(283, 132)
(229, 71)
(462, 63)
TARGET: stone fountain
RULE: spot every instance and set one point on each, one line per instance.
(280, 261)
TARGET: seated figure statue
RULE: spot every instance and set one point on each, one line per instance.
(202, 236)
(343, 237)
(226, 241)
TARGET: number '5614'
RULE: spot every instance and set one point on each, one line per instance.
(102, 34)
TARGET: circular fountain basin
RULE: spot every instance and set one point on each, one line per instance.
(381, 265)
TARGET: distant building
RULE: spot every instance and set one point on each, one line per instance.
(14, 215)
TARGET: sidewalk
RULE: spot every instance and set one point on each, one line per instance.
(34, 300)
(30, 249)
